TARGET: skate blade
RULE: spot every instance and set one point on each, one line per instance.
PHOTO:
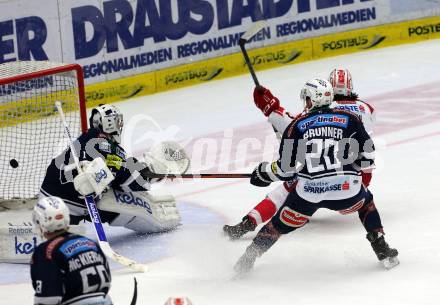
(239, 276)
(390, 262)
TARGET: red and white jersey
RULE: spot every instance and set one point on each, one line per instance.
(280, 118)
(364, 110)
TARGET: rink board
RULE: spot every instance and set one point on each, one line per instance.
(264, 58)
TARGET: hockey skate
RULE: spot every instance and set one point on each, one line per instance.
(246, 262)
(237, 231)
(386, 255)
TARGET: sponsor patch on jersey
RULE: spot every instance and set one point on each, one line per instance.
(77, 245)
(339, 120)
(351, 108)
(120, 152)
(324, 187)
(292, 218)
(105, 146)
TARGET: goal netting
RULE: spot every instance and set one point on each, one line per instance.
(31, 133)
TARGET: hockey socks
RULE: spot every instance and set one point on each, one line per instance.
(370, 218)
(263, 211)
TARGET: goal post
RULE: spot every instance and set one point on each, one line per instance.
(31, 134)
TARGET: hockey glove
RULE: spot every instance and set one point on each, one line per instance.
(265, 100)
(260, 177)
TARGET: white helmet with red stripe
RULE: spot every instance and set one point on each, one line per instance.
(341, 81)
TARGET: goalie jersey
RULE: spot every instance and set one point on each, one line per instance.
(70, 269)
(90, 145)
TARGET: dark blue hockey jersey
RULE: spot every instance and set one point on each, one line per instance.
(69, 268)
(327, 149)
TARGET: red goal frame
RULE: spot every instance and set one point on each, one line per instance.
(49, 71)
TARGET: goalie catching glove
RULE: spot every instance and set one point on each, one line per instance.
(94, 178)
(166, 158)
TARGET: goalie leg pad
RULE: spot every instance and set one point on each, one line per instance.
(140, 211)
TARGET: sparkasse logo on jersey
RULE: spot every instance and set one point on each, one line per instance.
(327, 188)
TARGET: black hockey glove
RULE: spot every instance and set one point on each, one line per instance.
(260, 177)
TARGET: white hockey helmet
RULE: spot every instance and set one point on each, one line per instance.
(51, 214)
(340, 79)
(108, 119)
(319, 91)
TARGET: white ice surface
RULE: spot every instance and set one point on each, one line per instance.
(329, 261)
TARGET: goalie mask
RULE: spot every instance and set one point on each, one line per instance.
(318, 91)
(341, 82)
(109, 120)
(51, 214)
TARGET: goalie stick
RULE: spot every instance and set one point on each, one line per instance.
(258, 26)
(93, 210)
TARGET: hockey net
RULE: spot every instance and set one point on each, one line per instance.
(31, 133)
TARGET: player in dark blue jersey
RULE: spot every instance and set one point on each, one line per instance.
(327, 149)
(122, 198)
(67, 268)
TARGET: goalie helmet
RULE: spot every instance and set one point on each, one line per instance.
(341, 81)
(51, 214)
(109, 120)
(318, 91)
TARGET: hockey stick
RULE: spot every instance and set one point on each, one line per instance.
(258, 26)
(203, 176)
(135, 292)
(93, 210)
